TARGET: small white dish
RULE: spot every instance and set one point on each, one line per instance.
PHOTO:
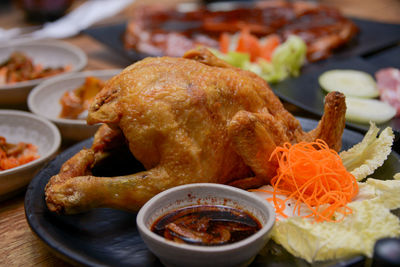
(240, 253)
(44, 100)
(48, 53)
(20, 126)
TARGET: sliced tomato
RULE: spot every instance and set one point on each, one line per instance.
(271, 42)
(249, 43)
(224, 41)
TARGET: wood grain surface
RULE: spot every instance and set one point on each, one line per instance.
(18, 245)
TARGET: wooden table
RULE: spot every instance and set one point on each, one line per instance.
(18, 245)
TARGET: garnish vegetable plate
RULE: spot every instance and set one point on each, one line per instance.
(336, 216)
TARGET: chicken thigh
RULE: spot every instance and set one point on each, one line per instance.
(187, 120)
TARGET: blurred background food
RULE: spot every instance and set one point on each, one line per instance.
(40, 11)
(64, 100)
(27, 143)
(34, 61)
(76, 103)
(19, 67)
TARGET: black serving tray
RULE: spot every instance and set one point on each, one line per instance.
(107, 237)
(386, 58)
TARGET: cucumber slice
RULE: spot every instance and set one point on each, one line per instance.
(365, 110)
(349, 82)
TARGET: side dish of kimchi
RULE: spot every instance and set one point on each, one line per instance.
(14, 155)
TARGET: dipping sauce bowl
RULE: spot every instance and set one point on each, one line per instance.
(192, 253)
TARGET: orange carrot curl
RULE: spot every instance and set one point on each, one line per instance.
(313, 174)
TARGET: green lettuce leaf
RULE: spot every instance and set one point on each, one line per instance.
(370, 220)
(286, 61)
(236, 59)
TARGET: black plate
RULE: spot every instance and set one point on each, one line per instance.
(112, 36)
(373, 37)
(388, 58)
(106, 237)
(304, 91)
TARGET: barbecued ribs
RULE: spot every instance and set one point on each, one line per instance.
(156, 30)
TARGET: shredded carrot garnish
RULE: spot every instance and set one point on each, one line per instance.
(313, 174)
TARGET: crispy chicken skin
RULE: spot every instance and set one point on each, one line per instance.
(187, 120)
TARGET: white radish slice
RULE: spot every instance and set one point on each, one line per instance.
(365, 110)
(349, 82)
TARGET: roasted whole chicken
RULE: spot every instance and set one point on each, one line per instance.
(187, 120)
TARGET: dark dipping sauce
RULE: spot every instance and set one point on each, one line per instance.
(206, 225)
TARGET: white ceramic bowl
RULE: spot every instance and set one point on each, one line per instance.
(44, 100)
(240, 253)
(20, 126)
(48, 53)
